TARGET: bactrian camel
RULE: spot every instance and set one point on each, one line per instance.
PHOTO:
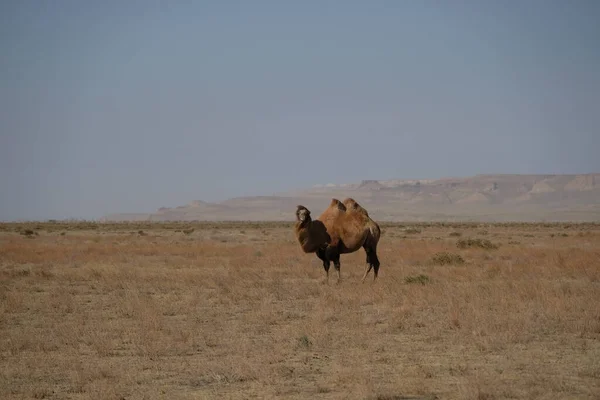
(342, 228)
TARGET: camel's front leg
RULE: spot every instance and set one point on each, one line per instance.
(321, 253)
(333, 255)
(337, 269)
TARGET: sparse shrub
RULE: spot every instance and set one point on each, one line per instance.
(188, 231)
(141, 233)
(63, 233)
(483, 232)
(388, 397)
(258, 253)
(22, 272)
(304, 342)
(455, 234)
(412, 231)
(42, 393)
(564, 234)
(29, 233)
(422, 279)
(445, 258)
(481, 243)
(514, 242)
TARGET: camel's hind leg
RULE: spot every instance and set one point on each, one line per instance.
(367, 270)
(372, 262)
(375, 262)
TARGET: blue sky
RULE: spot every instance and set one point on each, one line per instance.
(129, 106)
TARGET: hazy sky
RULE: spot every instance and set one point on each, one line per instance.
(119, 106)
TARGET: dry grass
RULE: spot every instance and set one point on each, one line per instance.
(236, 310)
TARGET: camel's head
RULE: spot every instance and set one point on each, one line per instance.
(302, 214)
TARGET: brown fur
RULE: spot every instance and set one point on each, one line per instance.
(348, 227)
(374, 230)
(312, 235)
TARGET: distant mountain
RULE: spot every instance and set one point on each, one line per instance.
(477, 198)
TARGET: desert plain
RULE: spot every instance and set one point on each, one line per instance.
(191, 310)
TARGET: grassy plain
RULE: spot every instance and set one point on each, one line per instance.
(236, 310)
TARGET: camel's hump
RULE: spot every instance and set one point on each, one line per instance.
(352, 205)
(337, 204)
(349, 201)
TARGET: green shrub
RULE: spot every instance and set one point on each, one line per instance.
(304, 342)
(445, 258)
(481, 243)
(29, 233)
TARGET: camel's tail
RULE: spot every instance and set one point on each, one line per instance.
(375, 231)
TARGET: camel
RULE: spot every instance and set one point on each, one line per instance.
(344, 227)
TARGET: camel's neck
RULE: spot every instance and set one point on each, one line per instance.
(304, 224)
(303, 232)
